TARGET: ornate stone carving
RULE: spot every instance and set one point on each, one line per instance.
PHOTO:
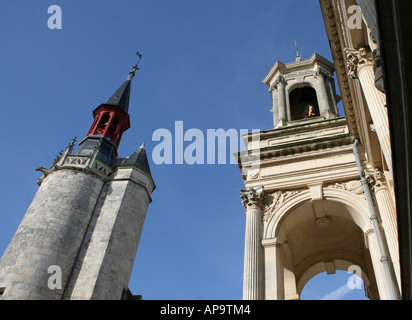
(71, 145)
(279, 79)
(354, 186)
(322, 222)
(76, 160)
(321, 72)
(299, 74)
(99, 167)
(45, 174)
(352, 64)
(377, 180)
(44, 170)
(356, 60)
(251, 197)
(300, 79)
(61, 156)
(274, 200)
(253, 174)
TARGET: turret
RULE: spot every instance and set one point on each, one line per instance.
(79, 237)
(298, 85)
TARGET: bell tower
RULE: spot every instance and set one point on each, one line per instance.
(80, 234)
(312, 204)
(111, 118)
(296, 86)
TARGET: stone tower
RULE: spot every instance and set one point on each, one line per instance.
(79, 236)
(312, 204)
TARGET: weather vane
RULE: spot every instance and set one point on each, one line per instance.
(140, 57)
(133, 71)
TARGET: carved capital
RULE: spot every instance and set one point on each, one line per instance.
(252, 197)
(279, 79)
(377, 180)
(356, 59)
(319, 72)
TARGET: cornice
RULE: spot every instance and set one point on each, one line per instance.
(314, 61)
(336, 40)
(299, 148)
(306, 146)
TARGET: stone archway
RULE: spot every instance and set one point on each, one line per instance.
(331, 268)
(307, 235)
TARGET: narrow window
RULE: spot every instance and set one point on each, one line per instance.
(104, 120)
(113, 125)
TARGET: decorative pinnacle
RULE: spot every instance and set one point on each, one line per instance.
(298, 57)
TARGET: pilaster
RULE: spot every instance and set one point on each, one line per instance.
(279, 87)
(274, 270)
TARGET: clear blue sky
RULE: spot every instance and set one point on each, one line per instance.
(203, 63)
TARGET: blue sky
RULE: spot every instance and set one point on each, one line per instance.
(203, 63)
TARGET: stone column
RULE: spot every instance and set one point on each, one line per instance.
(252, 281)
(360, 66)
(322, 94)
(381, 278)
(280, 84)
(388, 217)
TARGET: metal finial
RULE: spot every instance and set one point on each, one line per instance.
(298, 57)
(135, 68)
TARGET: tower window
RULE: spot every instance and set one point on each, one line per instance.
(103, 123)
(114, 124)
(299, 98)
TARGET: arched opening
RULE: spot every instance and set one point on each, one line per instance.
(341, 285)
(103, 123)
(321, 235)
(299, 98)
(113, 125)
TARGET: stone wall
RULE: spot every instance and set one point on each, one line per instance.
(50, 233)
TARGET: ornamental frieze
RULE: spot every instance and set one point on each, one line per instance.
(354, 186)
(274, 200)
